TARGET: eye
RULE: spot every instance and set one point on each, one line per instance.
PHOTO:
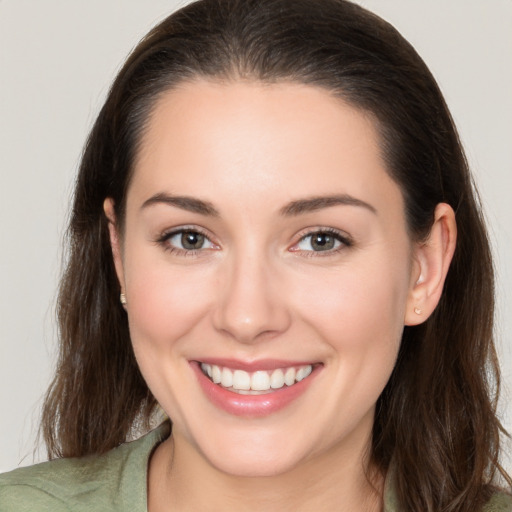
(187, 240)
(322, 241)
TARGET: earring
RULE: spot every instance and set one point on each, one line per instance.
(122, 299)
(417, 311)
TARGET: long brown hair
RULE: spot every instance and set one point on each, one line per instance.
(436, 419)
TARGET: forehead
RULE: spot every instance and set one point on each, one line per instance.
(249, 138)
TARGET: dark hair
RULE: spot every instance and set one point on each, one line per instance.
(436, 418)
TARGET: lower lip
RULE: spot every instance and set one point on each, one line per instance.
(251, 406)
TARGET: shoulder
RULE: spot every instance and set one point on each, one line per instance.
(21, 497)
(499, 502)
(115, 480)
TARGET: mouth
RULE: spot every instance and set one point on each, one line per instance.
(259, 382)
(257, 389)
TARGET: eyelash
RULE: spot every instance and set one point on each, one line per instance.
(164, 238)
(342, 238)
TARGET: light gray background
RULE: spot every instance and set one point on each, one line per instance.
(57, 59)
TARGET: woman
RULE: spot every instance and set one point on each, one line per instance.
(274, 238)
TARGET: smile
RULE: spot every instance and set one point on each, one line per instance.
(254, 389)
(258, 382)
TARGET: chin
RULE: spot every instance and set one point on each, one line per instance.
(255, 456)
(253, 467)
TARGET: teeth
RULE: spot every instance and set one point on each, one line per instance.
(303, 373)
(216, 374)
(289, 376)
(241, 379)
(226, 378)
(261, 380)
(277, 379)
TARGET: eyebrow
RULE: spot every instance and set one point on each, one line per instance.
(188, 203)
(294, 208)
(317, 203)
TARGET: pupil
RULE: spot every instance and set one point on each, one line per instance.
(192, 240)
(322, 242)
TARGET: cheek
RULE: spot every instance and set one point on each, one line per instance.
(165, 301)
(357, 305)
(359, 315)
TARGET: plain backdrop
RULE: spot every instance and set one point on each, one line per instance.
(57, 59)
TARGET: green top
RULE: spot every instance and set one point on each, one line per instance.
(115, 481)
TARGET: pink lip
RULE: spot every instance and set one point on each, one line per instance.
(252, 406)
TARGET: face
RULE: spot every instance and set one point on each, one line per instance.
(267, 269)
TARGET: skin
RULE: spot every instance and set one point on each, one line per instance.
(258, 290)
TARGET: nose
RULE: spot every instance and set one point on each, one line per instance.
(251, 303)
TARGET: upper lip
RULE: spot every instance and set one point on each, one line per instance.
(255, 365)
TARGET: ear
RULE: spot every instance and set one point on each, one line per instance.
(115, 241)
(432, 259)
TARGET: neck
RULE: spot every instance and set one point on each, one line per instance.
(181, 479)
